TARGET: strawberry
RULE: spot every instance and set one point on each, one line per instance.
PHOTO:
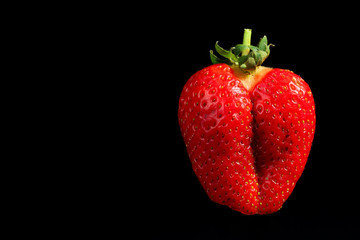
(248, 129)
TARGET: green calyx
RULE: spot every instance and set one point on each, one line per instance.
(245, 56)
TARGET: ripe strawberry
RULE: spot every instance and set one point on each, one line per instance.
(248, 129)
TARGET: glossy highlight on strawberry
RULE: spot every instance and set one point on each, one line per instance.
(248, 130)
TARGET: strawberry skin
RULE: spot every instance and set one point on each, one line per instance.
(247, 148)
(284, 127)
(216, 124)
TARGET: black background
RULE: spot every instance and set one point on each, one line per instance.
(111, 157)
(167, 200)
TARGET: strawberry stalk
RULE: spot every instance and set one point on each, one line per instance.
(246, 42)
(244, 56)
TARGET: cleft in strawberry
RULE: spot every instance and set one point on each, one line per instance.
(248, 129)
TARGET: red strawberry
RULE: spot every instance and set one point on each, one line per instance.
(248, 129)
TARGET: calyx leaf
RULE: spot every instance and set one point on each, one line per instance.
(235, 55)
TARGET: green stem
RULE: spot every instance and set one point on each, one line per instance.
(245, 55)
(246, 41)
